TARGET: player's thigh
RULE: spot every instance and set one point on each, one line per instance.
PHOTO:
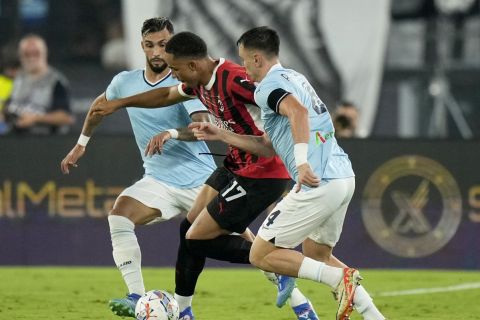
(206, 194)
(134, 210)
(205, 227)
(151, 201)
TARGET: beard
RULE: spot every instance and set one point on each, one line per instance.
(157, 69)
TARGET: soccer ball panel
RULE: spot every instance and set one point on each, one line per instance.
(157, 305)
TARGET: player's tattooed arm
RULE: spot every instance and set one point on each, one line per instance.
(156, 98)
(91, 122)
(156, 143)
(186, 134)
(259, 145)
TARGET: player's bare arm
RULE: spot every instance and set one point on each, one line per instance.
(155, 145)
(258, 145)
(157, 98)
(297, 115)
(91, 122)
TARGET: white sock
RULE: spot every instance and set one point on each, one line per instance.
(320, 272)
(332, 276)
(183, 302)
(126, 252)
(364, 305)
(297, 298)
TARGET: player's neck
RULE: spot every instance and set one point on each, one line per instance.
(154, 77)
(266, 67)
(207, 72)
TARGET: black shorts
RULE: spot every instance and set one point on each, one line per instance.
(240, 200)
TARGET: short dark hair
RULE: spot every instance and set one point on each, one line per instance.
(186, 45)
(262, 38)
(156, 25)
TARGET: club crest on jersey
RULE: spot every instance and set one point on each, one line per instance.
(220, 104)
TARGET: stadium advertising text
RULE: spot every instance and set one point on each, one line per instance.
(19, 198)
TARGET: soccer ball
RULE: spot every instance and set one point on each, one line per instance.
(157, 305)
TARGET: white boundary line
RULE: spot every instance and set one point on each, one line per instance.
(458, 287)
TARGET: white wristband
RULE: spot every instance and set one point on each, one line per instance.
(300, 152)
(173, 133)
(83, 140)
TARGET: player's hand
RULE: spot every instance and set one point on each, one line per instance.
(104, 108)
(71, 158)
(155, 145)
(205, 131)
(306, 177)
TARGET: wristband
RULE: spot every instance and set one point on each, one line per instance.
(173, 133)
(300, 152)
(83, 140)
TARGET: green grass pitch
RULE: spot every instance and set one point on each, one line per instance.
(229, 294)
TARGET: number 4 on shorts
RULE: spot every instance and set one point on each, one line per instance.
(272, 217)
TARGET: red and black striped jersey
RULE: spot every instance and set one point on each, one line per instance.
(229, 97)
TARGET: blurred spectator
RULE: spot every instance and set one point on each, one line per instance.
(113, 51)
(345, 119)
(40, 101)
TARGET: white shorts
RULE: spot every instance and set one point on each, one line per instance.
(317, 214)
(169, 200)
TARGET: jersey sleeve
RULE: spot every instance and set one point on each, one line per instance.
(112, 91)
(242, 88)
(194, 106)
(270, 93)
(186, 91)
(61, 98)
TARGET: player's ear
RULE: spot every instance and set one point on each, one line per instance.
(257, 59)
(192, 65)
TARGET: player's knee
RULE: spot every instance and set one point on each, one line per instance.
(117, 212)
(255, 258)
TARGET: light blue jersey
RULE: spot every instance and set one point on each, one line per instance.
(326, 158)
(180, 164)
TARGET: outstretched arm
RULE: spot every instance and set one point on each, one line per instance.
(259, 145)
(91, 122)
(156, 98)
(297, 115)
(155, 145)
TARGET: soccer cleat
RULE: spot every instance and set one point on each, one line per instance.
(186, 314)
(345, 291)
(285, 287)
(305, 311)
(124, 307)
